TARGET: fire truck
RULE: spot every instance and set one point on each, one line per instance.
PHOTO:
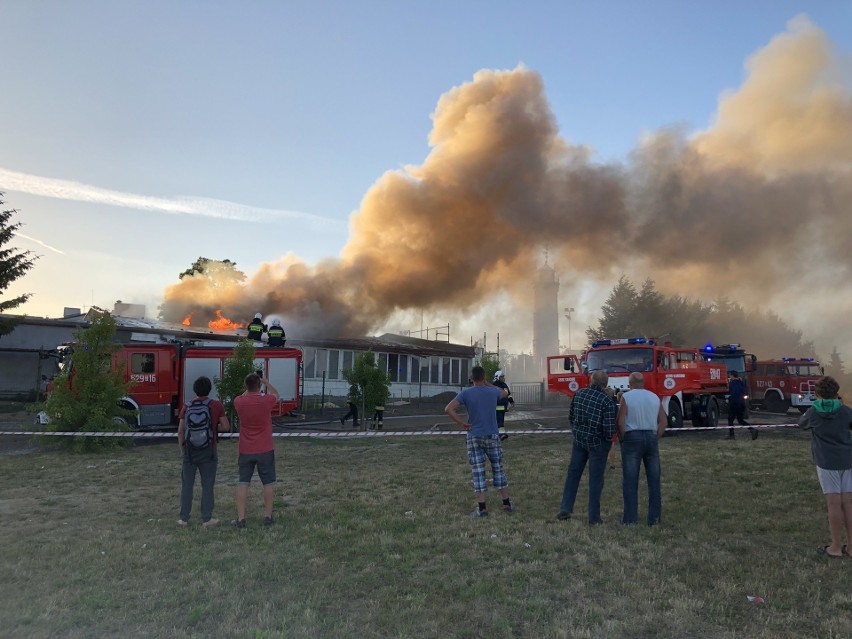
(162, 369)
(688, 385)
(778, 384)
(734, 358)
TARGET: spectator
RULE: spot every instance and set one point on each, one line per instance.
(641, 421)
(483, 440)
(830, 421)
(257, 449)
(203, 460)
(592, 418)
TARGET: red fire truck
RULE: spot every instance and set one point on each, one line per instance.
(778, 384)
(687, 384)
(163, 369)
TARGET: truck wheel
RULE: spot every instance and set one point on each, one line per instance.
(712, 413)
(773, 403)
(675, 415)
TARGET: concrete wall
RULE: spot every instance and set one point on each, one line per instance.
(21, 367)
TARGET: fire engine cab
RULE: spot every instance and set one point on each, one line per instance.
(778, 384)
(162, 370)
(687, 384)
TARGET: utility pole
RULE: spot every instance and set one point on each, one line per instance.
(568, 312)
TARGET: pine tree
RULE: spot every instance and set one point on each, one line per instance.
(13, 265)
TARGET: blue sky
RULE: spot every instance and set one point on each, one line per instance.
(294, 109)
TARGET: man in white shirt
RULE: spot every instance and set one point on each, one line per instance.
(640, 423)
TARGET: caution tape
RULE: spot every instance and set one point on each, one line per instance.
(361, 434)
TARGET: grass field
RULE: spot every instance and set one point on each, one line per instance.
(374, 539)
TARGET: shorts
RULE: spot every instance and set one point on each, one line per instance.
(835, 481)
(265, 463)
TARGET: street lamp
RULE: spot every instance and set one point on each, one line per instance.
(568, 312)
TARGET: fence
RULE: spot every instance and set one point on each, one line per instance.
(528, 393)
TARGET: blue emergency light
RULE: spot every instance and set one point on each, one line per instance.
(622, 341)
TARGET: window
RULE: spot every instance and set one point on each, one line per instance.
(465, 371)
(348, 358)
(435, 365)
(424, 370)
(415, 369)
(445, 371)
(402, 367)
(308, 361)
(382, 362)
(333, 365)
(142, 363)
(456, 371)
(321, 362)
(393, 367)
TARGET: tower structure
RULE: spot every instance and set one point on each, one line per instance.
(546, 313)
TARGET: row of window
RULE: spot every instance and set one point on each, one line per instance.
(450, 371)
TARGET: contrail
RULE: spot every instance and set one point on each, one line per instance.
(186, 205)
(32, 239)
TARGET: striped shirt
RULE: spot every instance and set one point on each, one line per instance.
(592, 417)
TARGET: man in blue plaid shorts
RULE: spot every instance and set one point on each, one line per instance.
(483, 440)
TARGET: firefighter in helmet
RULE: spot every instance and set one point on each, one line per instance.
(256, 328)
(502, 404)
(276, 334)
(379, 417)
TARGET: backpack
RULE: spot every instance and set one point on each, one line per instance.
(199, 422)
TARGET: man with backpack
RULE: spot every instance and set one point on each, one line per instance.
(200, 423)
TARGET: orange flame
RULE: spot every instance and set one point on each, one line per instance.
(187, 320)
(223, 323)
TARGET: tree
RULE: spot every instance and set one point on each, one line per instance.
(87, 393)
(369, 386)
(232, 383)
(13, 265)
(491, 364)
(206, 266)
(618, 313)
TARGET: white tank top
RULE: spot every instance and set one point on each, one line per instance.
(643, 407)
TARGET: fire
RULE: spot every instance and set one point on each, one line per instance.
(223, 322)
(187, 320)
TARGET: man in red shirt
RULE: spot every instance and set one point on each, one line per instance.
(256, 448)
(202, 460)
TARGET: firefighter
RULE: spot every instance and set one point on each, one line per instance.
(256, 328)
(276, 334)
(379, 417)
(502, 404)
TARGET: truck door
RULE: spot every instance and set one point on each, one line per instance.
(148, 372)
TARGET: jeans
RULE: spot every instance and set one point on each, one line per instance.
(641, 447)
(205, 462)
(597, 465)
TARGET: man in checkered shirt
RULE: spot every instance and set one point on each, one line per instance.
(592, 418)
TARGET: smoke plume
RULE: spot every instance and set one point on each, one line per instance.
(756, 207)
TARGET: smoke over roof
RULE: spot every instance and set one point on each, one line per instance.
(756, 207)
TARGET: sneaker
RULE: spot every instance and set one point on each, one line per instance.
(503, 437)
(210, 523)
(268, 521)
(479, 513)
(508, 508)
(238, 523)
(563, 515)
(182, 523)
(754, 433)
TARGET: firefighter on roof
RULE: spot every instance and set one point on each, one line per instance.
(256, 328)
(276, 334)
(502, 404)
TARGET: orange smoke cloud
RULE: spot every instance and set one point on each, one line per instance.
(729, 210)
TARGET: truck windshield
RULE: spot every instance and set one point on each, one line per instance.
(64, 363)
(731, 362)
(621, 360)
(804, 370)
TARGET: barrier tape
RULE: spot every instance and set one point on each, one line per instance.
(356, 434)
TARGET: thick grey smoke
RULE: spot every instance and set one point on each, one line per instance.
(755, 207)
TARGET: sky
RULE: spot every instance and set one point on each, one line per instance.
(343, 155)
